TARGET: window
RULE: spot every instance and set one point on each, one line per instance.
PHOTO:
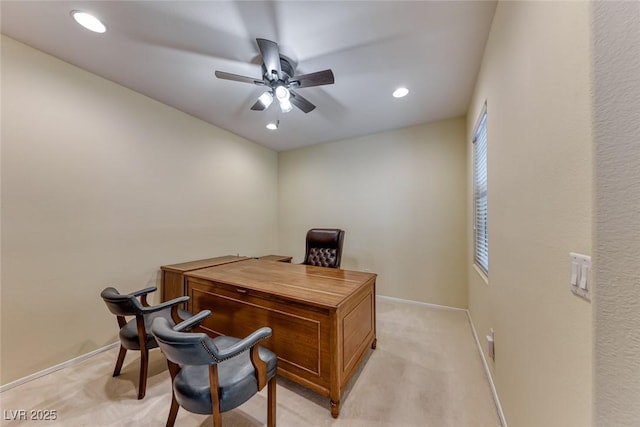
(480, 244)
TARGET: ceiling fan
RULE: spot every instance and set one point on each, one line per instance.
(279, 79)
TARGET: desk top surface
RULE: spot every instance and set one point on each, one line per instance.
(202, 263)
(317, 285)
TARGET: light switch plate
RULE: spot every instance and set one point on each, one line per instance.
(580, 275)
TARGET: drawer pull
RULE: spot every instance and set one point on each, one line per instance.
(242, 291)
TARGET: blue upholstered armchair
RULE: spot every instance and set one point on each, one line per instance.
(136, 333)
(211, 376)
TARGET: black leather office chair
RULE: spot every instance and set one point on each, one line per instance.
(211, 376)
(324, 247)
(136, 333)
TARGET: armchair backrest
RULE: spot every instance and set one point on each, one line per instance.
(324, 247)
(183, 348)
(121, 305)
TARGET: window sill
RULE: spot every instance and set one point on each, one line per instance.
(481, 273)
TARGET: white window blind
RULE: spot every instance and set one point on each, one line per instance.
(481, 245)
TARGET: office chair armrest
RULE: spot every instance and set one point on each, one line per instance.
(166, 304)
(143, 291)
(239, 347)
(192, 321)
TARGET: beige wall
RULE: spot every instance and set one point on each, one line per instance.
(101, 186)
(102, 193)
(401, 198)
(617, 201)
(535, 77)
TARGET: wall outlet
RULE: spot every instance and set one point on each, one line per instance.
(491, 348)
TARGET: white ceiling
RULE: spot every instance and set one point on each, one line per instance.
(169, 50)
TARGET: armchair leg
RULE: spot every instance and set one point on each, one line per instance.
(173, 412)
(215, 397)
(144, 367)
(217, 419)
(120, 361)
(271, 402)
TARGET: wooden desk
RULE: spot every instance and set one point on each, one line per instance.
(173, 284)
(323, 319)
(279, 258)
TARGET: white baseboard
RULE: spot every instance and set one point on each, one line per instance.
(496, 399)
(427, 304)
(52, 369)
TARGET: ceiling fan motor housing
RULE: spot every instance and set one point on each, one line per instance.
(286, 68)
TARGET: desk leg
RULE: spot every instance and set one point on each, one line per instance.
(335, 408)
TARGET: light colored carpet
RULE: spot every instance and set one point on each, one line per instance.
(426, 371)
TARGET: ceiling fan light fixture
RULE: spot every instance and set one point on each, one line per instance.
(272, 126)
(400, 92)
(88, 21)
(282, 93)
(266, 99)
(285, 105)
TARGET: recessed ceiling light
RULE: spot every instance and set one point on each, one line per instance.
(400, 92)
(272, 126)
(88, 21)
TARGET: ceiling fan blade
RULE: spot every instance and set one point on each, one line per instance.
(238, 78)
(314, 79)
(271, 57)
(301, 102)
(258, 106)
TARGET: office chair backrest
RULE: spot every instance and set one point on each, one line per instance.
(324, 247)
(121, 305)
(183, 348)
